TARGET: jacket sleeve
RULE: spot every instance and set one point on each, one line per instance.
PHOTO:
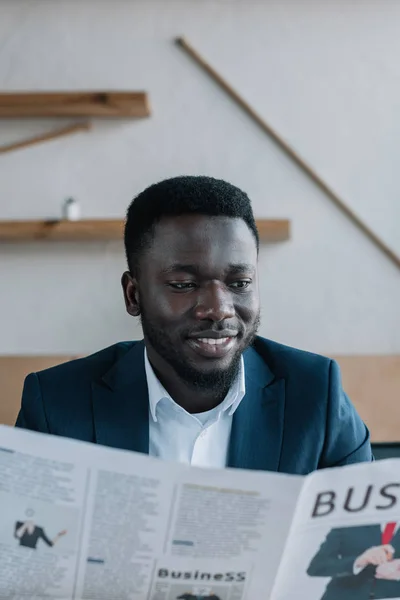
(32, 415)
(45, 538)
(329, 562)
(347, 439)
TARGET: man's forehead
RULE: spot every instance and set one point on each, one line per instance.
(206, 244)
(188, 232)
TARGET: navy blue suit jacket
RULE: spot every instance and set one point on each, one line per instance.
(294, 418)
(336, 558)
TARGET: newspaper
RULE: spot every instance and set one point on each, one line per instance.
(85, 522)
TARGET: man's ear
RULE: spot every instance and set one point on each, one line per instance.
(131, 294)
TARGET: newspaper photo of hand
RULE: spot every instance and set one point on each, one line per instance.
(389, 570)
(377, 555)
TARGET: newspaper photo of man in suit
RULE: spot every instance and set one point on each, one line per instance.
(363, 562)
(28, 533)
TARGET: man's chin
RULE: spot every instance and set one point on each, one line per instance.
(215, 381)
(209, 373)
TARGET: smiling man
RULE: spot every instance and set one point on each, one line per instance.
(202, 387)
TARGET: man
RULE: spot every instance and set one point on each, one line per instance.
(363, 562)
(202, 387)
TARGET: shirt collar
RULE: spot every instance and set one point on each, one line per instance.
(157, 392)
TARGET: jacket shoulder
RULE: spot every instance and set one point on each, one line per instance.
(58, 400)
(286, 361)
(89, 367)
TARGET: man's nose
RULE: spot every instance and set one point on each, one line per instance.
(214, 303)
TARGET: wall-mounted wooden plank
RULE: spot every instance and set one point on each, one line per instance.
(288, 150)
(106, 229)
(74, 104)
(373, 384)
(95, 229)
(45, 137)
(273, 230)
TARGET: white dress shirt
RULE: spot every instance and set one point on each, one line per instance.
(198, 439)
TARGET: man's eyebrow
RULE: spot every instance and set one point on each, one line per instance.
(232, 269)
(181, 267)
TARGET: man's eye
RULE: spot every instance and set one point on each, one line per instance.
(240, 285)
(182, 285)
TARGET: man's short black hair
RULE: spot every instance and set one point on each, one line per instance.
(181, 196)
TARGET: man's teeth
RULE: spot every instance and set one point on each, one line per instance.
(213, 341)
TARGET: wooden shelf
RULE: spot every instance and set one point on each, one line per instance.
(107, 229)
(74, 104)
(96, 229)
(273, 230)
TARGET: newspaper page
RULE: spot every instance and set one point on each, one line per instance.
(344, 543)
(84, 522)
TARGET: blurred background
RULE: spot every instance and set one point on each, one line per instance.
(324, 74)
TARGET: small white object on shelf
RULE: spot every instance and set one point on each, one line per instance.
(71, 210)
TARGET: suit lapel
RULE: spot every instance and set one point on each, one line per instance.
(120, 403)
(257, 427)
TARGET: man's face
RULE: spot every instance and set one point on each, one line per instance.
(198, 297)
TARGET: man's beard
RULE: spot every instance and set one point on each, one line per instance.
(217, 380)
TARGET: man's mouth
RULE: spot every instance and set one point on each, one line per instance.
(212, 347)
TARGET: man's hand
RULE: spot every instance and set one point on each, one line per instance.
(377, 555)
(389, 570)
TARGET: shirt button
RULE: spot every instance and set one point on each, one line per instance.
(203, 433)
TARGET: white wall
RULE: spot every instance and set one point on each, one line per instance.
(323, 73)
